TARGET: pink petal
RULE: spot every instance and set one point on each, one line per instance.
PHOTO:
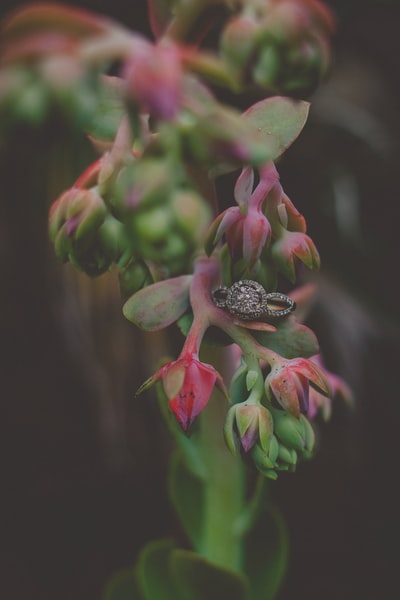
(313, 373)
(285, 389)
(194, 393)
(256, 231)
(244, 186)
(231, 216)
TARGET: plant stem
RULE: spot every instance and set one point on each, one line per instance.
(224, 491)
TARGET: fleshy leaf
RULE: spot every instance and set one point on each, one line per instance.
(291, 339)
(278, 121)
(154, 571)
(160, 304)
(198, 579)
(266, 569)
(123, 585)
(109, 111)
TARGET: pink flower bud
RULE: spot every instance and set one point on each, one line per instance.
(154, 75)
(289, 383)
(188, 384)
(245, 234)
(251, 423)
(292, 246)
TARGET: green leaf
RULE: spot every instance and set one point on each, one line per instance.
(154, 571)
(110, 109)
(123, 585)
(186, 493)
(166, 572)
(266, 557)
(277, 122)
(160, 304)
(198, 579)
(290, 340)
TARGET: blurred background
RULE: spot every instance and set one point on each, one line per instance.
(82, 461)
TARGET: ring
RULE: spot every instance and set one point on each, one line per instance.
(248, 301)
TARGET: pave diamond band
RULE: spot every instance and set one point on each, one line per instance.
(248, 301)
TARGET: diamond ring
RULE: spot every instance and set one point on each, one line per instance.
(248, 301)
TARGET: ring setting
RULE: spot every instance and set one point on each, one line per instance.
(247, 300)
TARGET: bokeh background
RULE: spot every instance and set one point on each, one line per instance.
(82, 462)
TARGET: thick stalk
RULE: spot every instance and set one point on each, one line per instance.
(224, 491)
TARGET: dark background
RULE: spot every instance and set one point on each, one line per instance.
(82, 463)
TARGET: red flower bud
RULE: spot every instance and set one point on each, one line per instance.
(289, 383)
(154, 74)
(188, 384)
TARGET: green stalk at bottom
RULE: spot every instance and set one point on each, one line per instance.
(224, 483)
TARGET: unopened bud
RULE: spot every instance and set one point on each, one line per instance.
(289, 430)
(144, 182)
(75, 218)
(134, 276)
(238, 40)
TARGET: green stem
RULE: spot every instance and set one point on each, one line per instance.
(223, 494)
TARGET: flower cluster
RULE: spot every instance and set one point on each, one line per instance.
(272, 398)
(265, 225)
(146, 204)
(279, 45)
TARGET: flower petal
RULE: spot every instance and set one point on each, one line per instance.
(244, 186)
(194, 393)
(174, 378)
(256, 232)
(286, 387)
(314, 374)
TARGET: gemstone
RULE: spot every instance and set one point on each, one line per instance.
(246, 300)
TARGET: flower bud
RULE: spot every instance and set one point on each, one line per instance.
(84, 233)
(239, 40)
(290, 247)
(289, 383)
(191, 214)
(283, 46)
(145, 182)
(266, 460)
(188, 384)
(251, 422)
(267, 69)
(295, 434)
(74, 218)
(154, 78)
(133, 276)
(287, 458)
